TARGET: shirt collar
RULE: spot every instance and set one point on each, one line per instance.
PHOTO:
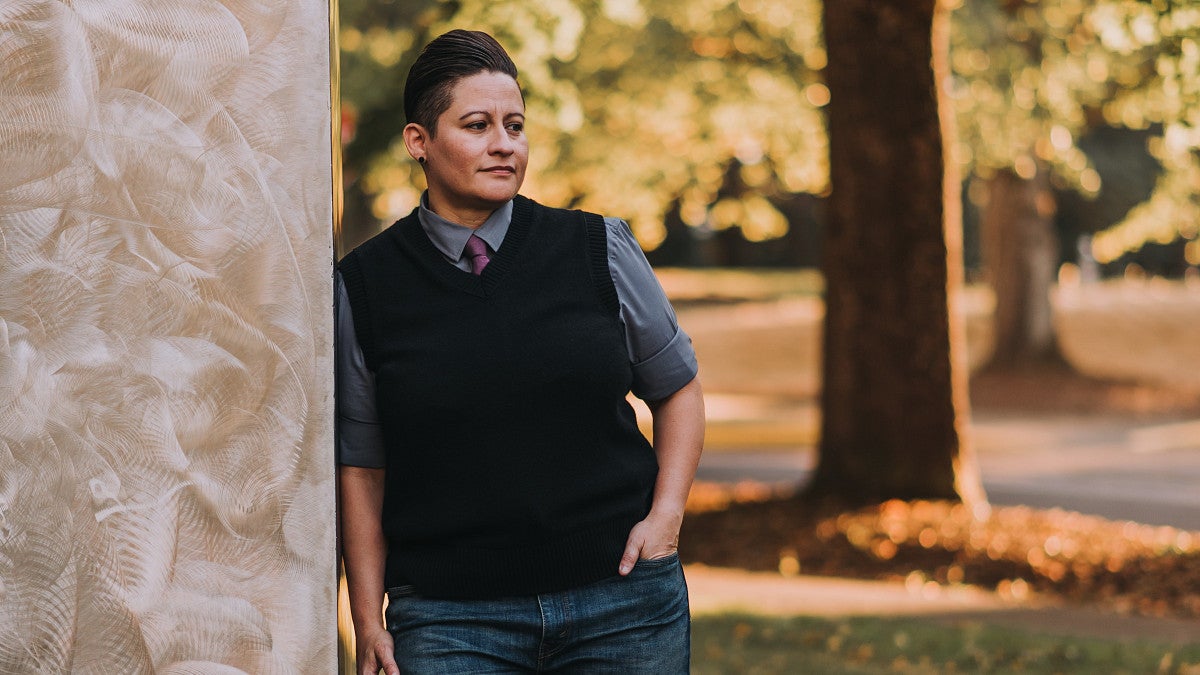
(451, 238)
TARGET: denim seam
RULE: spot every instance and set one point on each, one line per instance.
(557, 643)
(541, 652)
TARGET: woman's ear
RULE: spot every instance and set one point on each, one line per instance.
(415, 136)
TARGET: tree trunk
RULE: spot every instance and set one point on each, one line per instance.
(1020, 254)
(895, 410)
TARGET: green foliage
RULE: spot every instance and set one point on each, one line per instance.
(755, 644)
(714, 107)
(1167, 34)
(635, 106)
(1031, 78)
(1025, 78)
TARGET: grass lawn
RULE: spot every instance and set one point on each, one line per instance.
(743, 644)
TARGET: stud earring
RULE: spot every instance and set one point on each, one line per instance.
(420, 160)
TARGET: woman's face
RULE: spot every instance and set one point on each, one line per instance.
(476, 162)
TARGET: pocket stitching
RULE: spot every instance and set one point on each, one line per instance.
(657, 562)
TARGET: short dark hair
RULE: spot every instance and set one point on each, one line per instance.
(442, 63)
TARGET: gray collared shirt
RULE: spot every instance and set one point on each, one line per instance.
(660, 352)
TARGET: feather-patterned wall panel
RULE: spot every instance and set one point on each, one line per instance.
(166, 471)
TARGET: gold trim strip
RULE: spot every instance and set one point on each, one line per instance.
(335, 123)
(347, 663)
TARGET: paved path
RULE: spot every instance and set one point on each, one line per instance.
(1117, 469)
(1149, 473)
(715, 590)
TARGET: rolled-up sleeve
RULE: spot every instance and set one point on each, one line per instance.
(660, 351)
(360, 437)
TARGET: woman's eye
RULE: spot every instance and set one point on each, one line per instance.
(477, 125)
(516, 127)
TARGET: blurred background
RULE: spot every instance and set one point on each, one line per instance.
(704, 121)
(704, 124)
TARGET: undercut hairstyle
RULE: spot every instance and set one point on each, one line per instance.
(428, 91)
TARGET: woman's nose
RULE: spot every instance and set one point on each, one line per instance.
(502, 142)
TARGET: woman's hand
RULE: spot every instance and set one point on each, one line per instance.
(375, 651)
(364, 552)
(678, 438)
(655, 537)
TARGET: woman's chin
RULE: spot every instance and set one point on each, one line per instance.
(496, 197)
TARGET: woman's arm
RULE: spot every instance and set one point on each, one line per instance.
(364, 553)
(678, 440)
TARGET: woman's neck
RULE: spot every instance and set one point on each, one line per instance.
(465, 216)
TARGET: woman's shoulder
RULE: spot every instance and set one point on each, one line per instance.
(384, 241)
(522, 202)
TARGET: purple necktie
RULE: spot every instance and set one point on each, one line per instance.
(477, 250)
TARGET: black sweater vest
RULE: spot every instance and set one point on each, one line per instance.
(515, 465)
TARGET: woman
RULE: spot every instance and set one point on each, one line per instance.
(493, 479)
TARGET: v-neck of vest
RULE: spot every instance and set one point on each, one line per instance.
(499, 265)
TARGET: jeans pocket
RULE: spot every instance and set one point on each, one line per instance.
(398, 597)
(397, 592)
(665, 561)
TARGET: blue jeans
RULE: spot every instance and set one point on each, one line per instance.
(633, 624)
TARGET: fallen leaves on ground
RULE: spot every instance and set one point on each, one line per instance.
(1016, 551)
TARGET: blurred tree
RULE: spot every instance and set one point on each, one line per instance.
(1025, 79)
(1031, 80)
(378, 41)
(894, 393)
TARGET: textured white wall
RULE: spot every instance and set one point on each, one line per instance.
(166, 471)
